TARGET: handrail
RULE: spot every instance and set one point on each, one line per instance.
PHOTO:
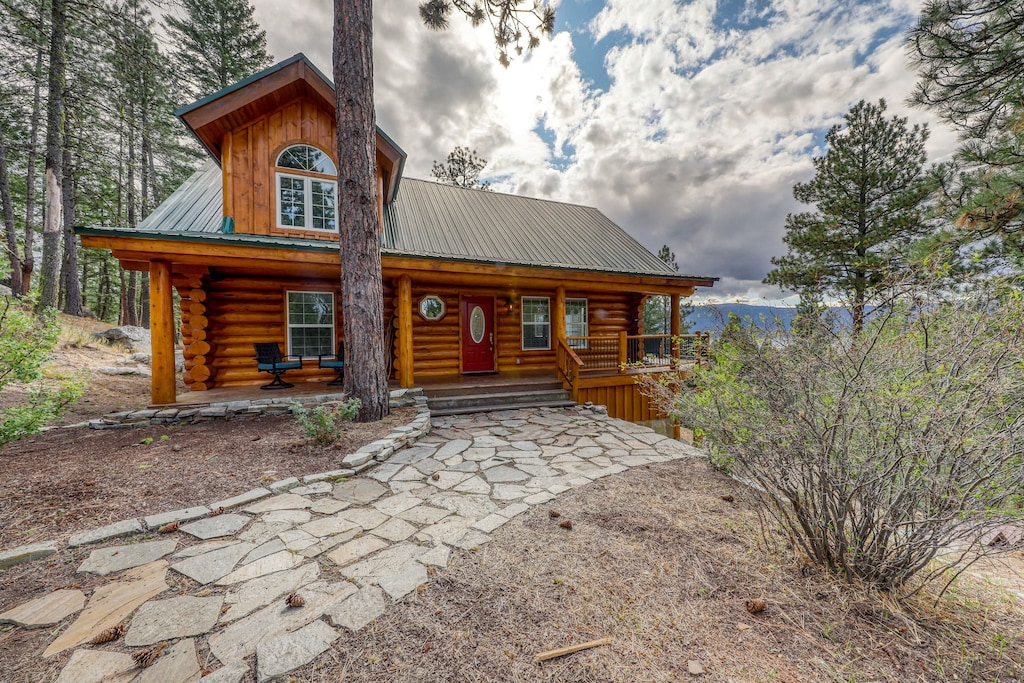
(569, 364)
(623, 351)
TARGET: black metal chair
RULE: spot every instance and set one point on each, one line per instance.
(336, 363)
(269, 359)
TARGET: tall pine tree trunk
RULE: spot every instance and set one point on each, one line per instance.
(72, 297)
(28, 263)
(7, 208)
(54, 136)
(361, 277)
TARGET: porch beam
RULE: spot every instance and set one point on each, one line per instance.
(558, 317)
(161, 320)
(405, 373)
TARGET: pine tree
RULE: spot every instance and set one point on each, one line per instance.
(462, 169)
(359, 239)
(218, 43)
(658, 309)
(868, 191)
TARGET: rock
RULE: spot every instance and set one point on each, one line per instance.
(404, 579)
(111, 603)
(474, 485)
(314, 488)
(383, 473)
(215, 527)
(157, 521)
(272, 546)
(504, 474)
(173, 618)
(26, 553)
(356, 549)
(364, 518)
(490, 522)
(424, 514)
(128, 336)
(283, 484)
(232, 673)
(447, 479)
(358, 610)
(97, 666)
(290, 651)
(329, 526)
(333, 474)
(296, 539)
(262, 591)
(261, 567)
(695, 668)
(328, 506)
(105, 533)
(241, 499)
(289, 516)
(180, 664)
(393, 505)
(514, 510)
(359, 491)
(283, 501)
(356, 459)
(436, 557)
(105, 561)
(395, 530)
(261, 532)
(209, 567)
(45, 611)
(203, 548)
(454, 447)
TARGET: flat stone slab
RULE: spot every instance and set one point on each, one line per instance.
(105, 533)
(474, 485)
(283, 501)
(209, 567)
(403, 579)
(185, 615)
(358, 610)
(116, 558)
(394, 530)
(26, 553)
(111, 603)
(261, 532)
(216, 527)
(490, 523)
(328, 506)
(329, 526)
(366, 519)
(361, 491)
(394, 505)
(261, 567)
(45, 611)
(290, 651)
(157, 521)
(424, 514)
(356, 549)
(97, 666)
(241, 499)
(232, 673)
(260, 592)
(179, 664)
(201, 548)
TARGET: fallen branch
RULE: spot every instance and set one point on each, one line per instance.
(551, 654)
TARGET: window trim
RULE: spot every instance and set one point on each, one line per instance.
(307, 189)
(581, 344)
(288, 320)
(523, 323)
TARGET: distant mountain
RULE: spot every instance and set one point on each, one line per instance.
(710, 317)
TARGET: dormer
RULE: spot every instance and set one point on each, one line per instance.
(273, 135)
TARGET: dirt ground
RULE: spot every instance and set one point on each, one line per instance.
(656, 559)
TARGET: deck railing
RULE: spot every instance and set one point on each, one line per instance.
(623, 352)
(569, 365)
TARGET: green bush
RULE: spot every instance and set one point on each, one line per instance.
(25, 342)
(887, 455)
(324, 424)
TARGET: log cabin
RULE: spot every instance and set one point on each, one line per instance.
(474, 281)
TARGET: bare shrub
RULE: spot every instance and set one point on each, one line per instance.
(878, 453)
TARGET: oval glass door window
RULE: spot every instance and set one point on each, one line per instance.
(477, 324)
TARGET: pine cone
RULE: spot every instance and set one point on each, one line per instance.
(554, 514)
(216, 511)
(108, 635)
(727, 498)
(169, 528)
(756, 605)
(146, 658)
(435, 476)
(566, 524)
(294, 600)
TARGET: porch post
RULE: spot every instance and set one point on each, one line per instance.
(405, 375)
(161, 321)
(675, 325)
(558, 317)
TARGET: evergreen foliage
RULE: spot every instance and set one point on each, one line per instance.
(218, 42)
(462, 169)
(658, 309)
(868, 192)
(508, 19)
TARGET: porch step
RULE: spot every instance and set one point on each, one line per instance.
(497, 397)
(487, 386)
(509, 406)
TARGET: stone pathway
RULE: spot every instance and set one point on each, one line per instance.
(342, 551)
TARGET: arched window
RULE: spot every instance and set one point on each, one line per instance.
(307, 189)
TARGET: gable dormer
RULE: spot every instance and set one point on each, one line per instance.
(273, 135)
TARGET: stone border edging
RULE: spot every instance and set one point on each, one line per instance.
(364, 458)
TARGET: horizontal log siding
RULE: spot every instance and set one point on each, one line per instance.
(623, 401)
(437, 346)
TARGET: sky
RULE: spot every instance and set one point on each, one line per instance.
(685, 122)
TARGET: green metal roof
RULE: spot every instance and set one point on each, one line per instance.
(431, 220)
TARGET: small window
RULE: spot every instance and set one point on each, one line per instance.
(310, 323)
(432, 307)
(576, 322)
(304, 201)
(536, 323)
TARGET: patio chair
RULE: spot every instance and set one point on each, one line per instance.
(269, 359)
(336, 363)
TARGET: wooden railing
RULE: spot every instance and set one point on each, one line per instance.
(624, 351)
(569, 365)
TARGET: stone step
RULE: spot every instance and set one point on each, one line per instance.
(502, 406)
(468, 388)
(503, 397)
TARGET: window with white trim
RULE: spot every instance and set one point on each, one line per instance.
(576, 322)
(306, 198)
(536, 322)
(310, 323)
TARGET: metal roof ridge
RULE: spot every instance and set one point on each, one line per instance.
(495, 193)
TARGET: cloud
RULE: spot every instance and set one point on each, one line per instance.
(706, 122)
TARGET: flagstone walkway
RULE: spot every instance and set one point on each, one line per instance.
(278, 577)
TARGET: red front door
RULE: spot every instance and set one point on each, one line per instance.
(477, 334)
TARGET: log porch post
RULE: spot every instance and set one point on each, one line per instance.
(675, 326)
(161, 320)
(405, 374)
(558, 317)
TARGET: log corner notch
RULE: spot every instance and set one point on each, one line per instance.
(161, 316)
